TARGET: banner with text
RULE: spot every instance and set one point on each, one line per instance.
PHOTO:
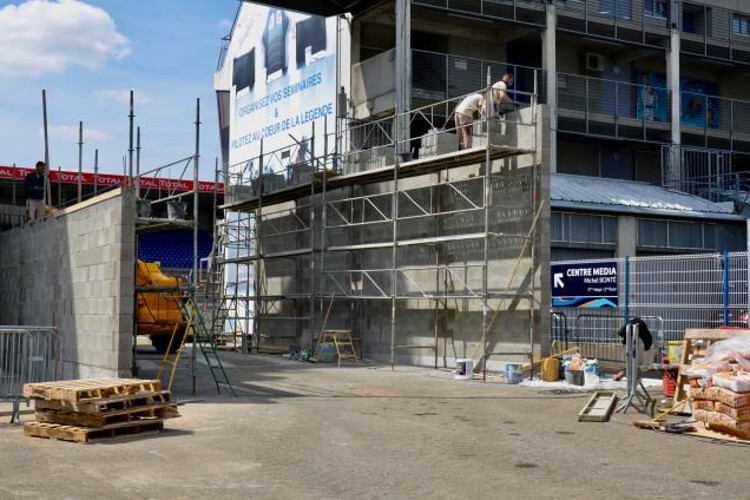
(585, 285)
(283, 81)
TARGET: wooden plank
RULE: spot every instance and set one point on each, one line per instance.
(85, 204)
(97, 406)
(85, 435)
(161, 412)
(713, 333)
(599, 407)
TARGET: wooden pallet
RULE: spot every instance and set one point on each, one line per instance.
(97, 406)
(76, 390)
(694, 348)
(599, 407)
(161, 412)
(85, 435)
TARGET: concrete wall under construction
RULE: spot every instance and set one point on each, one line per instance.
(440, 314)
(75, 271)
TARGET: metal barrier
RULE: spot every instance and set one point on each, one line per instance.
(27, 354)
(682, 291)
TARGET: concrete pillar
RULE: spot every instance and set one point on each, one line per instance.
(549, 62)
(673, 172)
(403, 72)
(627, 236)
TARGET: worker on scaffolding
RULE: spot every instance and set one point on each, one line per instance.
(466, 112)
(33, 186)
(500, 93)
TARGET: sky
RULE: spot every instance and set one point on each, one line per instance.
(88, 54)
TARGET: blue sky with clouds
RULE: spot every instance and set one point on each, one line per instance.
(88, 54)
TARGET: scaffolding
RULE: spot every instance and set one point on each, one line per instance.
(395, 231)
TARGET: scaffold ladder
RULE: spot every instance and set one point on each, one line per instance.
(204, 339)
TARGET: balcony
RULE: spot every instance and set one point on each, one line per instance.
(622, 110)
(435, 77)
(614, 109)
(642, 22)
(715, 32)
(522, 11)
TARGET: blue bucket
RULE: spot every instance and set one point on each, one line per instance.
(513, 373)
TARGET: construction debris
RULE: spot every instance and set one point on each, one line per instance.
(84, 410)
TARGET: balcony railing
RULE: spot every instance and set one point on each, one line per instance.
(634, 21)
(524, 11)
(438, 76)
(711, 31)
(623, 110)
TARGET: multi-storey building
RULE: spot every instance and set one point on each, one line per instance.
(645, 105)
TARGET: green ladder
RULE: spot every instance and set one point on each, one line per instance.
(206, 340)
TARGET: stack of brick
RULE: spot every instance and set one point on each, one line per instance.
(722, 402)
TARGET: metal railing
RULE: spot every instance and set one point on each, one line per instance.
(439, 76)
(28, 354)
(611, 108)
(523, 11)
(360, 145)
(713, 31)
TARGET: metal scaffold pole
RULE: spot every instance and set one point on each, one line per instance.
(47, 185)
(80, 162)
(486, 200)
(131, 116)
(196, 160)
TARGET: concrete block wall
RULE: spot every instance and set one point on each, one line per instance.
(76, 272)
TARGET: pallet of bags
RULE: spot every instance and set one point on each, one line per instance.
(724, 406)
(84, 410)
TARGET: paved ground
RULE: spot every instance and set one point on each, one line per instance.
(302, 431)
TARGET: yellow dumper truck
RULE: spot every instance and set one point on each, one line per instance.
(158, 310)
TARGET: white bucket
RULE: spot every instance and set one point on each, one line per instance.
(464, 369)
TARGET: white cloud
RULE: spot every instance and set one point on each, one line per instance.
(42, 36)
(224, 24)
(122, 96)
(70, 133)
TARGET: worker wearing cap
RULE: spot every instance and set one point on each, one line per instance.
(471, 106)
(500, 91)
(33, 186)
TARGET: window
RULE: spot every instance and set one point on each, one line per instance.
(656, 8)
(616, 8)
(741, 25)
(587, 229)
(690, 235)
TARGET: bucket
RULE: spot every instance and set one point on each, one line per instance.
(144, 208)
(550, 369)
(176, 210)
(513, 373)
(464, 369)
(326, 352)
(574, 377)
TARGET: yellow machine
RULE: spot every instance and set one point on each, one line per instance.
(158, 311)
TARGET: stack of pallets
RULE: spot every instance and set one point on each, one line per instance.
(84, 410)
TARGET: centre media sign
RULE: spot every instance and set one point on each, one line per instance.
(585, 285)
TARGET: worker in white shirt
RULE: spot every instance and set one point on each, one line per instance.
(466, 111)
(500, 92)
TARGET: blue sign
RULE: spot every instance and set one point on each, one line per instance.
(585, 285)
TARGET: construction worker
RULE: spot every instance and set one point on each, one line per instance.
(500, 92)
(466, 111)
(33, 186)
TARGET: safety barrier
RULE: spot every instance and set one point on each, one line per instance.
(27, 354)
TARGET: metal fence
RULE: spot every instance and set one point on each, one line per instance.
(671, 293)
(27, 354)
